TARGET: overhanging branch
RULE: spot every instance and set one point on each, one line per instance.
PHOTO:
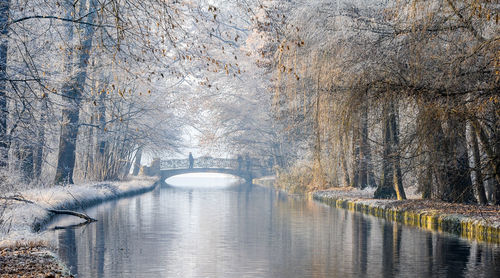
(79, 21)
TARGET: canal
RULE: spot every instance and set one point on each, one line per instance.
(214, 226)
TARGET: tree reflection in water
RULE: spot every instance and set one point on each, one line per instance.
(249, 231)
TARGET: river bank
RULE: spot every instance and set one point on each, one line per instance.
(24, 250)
(474, 222)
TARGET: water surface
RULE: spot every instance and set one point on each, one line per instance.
(217, 227)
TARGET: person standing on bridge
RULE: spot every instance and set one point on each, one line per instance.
(240, 162)
(248, 162)
(191, 160)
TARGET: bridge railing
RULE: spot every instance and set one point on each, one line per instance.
(256, 165)
(200, 162)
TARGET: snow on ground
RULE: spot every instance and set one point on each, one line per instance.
(21, 220)
(349, 192)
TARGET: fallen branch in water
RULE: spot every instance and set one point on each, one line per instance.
(55, 211)
(71, 226)
(74, 213)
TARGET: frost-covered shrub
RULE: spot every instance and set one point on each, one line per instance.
(10, 181)
(296, 179)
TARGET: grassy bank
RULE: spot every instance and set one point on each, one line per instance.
(24, 221)
(474, 222)
(22, 239)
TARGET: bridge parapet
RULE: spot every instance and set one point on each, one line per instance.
(201, 162)
(256, 166)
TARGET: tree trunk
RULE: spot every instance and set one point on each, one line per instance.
(385, 190)
(4, 31)
(363, 148)
(101, 140)
(137, 163)
(65, 168)
(100, 152)
(356, 156)
(89, 156)
(496, 138)
(439, 147)
(459, 185)
(493, 159)
(475, 164)
(367, 154)
(38, 154)
(38, 158)
(343, 162)
(72, 92)
(425, 182)
(25, 156)
(426, 137)
(125, 153)
(318, 173)
(396, 153)
(68, 136)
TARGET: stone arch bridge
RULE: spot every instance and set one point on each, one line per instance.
(243, 168)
